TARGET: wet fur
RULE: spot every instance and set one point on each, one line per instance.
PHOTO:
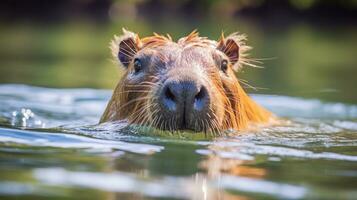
(232, 107)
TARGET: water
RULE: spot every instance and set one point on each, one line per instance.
(51, 146)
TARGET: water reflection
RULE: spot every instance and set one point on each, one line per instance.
(304, 158)
(217, 164)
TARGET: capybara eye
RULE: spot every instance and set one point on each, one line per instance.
(224, 65)
(137, 65)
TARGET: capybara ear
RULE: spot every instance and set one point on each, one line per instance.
(125, 47)
(235, 48)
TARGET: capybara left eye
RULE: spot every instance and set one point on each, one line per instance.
(137, 65)
(224, 65)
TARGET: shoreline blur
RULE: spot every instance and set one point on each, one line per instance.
(307, 46)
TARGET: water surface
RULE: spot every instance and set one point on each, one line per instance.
(51, 146)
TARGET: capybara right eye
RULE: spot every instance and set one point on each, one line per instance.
(224, 65)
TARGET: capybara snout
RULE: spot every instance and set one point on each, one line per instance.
(182, 101)
(189, 84)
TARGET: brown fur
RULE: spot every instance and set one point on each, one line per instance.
(135, 99)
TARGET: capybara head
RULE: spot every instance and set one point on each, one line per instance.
(185, 85)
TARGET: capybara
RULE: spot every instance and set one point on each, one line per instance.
(185, 85)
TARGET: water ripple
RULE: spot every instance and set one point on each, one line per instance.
(61, 140)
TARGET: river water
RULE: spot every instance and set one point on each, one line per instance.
(51, 146)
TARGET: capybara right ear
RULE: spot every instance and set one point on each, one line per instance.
(125, 47)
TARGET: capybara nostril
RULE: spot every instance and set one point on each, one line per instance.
(169, 95)
(169, 99)
(200, 99)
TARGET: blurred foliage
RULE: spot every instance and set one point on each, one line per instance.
(307, 55)
(105, 10)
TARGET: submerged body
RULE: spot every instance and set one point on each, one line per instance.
(184, 85)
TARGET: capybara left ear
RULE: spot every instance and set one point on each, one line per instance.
(125, 47)
(234, 47)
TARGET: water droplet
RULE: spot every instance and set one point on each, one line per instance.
(26, 118)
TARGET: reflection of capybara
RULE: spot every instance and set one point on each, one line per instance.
(185, 85)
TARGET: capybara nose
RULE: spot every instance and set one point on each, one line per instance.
(184, 96)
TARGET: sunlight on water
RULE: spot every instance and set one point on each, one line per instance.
(175, 187)
(51, 143)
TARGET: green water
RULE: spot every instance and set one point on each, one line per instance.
(52, 147)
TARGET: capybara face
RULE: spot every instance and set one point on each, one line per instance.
(184, 85)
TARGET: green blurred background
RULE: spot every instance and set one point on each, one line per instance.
(309, 45)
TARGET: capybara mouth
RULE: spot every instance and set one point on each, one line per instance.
(200, 125)
(182, 124)
(180, 119)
